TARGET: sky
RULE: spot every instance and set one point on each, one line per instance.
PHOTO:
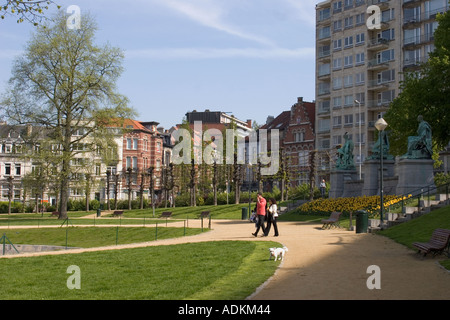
(251, 58)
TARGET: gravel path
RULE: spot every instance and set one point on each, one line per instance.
(326, 264)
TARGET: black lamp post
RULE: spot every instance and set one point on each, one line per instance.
(381, 124)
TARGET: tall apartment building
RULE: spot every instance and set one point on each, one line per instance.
(359, 65)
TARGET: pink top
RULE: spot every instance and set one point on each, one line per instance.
(261, 207)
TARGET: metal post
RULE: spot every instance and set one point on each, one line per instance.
(381, 181)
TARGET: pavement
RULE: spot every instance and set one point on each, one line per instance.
(334, 264)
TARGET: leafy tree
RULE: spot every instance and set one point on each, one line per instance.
(425, 92)
(29, 10)
(67, 84)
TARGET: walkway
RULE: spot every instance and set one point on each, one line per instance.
(328, 264)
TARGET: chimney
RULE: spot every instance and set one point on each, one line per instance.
(249, 123)
(269, 120)
(300, 99)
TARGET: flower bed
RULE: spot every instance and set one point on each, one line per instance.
(351, 204)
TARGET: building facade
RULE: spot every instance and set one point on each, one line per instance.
(359, 60)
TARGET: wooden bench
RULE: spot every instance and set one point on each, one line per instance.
(438, 243)
(55, 213)
(117, 213)
(333, 220)
(204, 214)
(166, 214)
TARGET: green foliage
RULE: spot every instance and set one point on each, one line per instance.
(426, 93)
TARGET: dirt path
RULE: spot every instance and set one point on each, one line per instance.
(327, 264)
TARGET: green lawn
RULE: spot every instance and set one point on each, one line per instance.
(88, 237)
(214, 270)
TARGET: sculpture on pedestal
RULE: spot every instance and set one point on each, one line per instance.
(420, 146)
(345, 159)
(376, 150)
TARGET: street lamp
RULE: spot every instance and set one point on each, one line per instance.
(360, 140)
(381, 124)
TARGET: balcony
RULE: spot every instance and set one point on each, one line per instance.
(375, 65)
(378, 44)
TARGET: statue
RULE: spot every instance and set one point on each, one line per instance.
(420, 147)
(376, 149)
(345, 155)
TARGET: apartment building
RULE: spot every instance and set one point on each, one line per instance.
(360, 57)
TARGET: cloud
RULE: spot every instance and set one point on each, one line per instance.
(214, 53)
(304, 10)
(210, 13)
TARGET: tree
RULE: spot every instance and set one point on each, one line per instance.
(29, 10)
(425, 92)
(67, 84)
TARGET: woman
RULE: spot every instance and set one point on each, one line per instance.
(272, 216)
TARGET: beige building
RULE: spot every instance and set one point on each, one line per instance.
(360, 55)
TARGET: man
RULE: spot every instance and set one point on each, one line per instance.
(260, 213)
(323, 188)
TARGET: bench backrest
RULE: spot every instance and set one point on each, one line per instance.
(166, 214)
(335, 215)
(204, 214)
(440, 236)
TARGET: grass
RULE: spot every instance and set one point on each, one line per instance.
(222, 270)
(420, 229)
(88, 237)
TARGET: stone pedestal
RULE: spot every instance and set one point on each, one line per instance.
(338, 179)
(413, 175)
(372, 175)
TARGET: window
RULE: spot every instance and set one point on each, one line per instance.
(18, 168)
(385, 56)
(129, 146)
(303, 157)
(135, 163)
(337, 140)
(337, 102)
(128, 162)
(337, 83)
(337, 44)
(135, 144)
(348, 101)
(337, 63)
(359, 58)
(348, 81)
(360, 38)
(348, 61)
(337, 121)
(386, 76)
(7, 169)
(360, 78)
(324, 14)
(348, 120)
(337, 6)
(337, 25)
(348, 22)
(360, 116)
(348, 42)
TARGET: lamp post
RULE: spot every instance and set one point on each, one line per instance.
(381, 124)
(360, 139)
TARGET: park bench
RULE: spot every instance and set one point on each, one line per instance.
(166, 214)
(438, 243)
(117, 213)
(204, 214)
(333, 220)
(55, 213)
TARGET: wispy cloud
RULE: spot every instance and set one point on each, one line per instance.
(304, 10)
(211, 14)
(214, 53)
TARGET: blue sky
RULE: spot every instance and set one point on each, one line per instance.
(252, 58)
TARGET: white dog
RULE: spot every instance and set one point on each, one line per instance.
(278, 253)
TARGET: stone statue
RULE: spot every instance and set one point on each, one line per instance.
(345, 155)
(420, 147)
(376, 149)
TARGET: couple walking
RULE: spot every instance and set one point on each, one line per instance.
(270, 214)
